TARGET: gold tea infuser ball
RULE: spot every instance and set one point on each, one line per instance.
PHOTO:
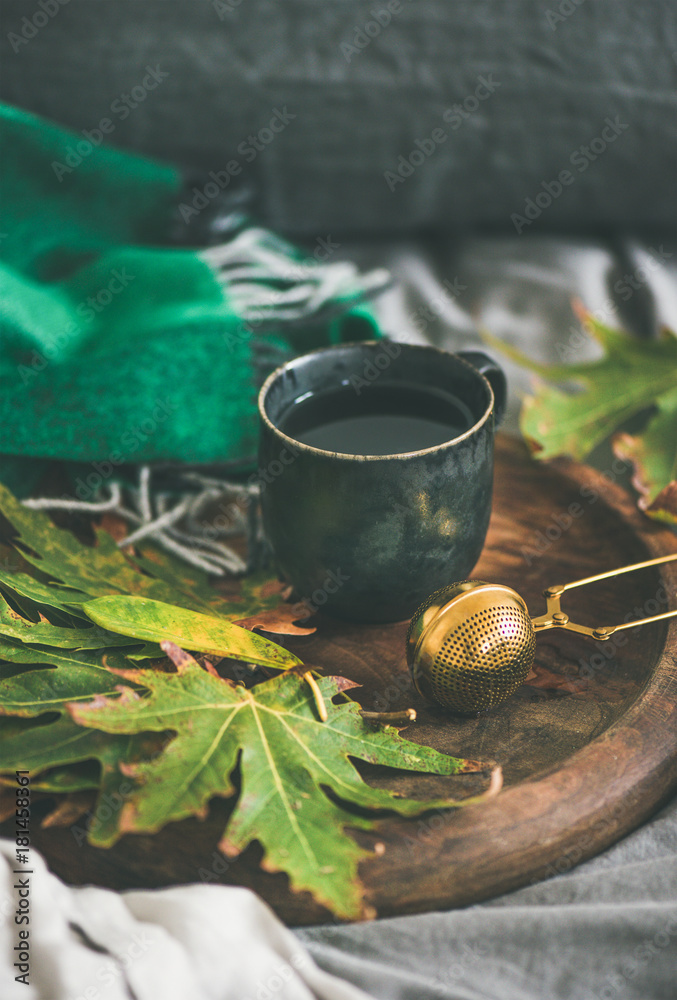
(472, 644)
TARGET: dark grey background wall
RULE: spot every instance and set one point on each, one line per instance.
(363, 94)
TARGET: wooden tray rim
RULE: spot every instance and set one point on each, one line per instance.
(526, 834)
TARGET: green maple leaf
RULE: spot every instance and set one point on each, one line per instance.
(86, 571)
(14, 626)
(44, 595)
(632, 377)
(141, 618)
(82, 675)
(48, 572)
(192, 588)
(48, 747)
(62, 781)
(288, 760)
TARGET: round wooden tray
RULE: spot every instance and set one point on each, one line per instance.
(588, 745)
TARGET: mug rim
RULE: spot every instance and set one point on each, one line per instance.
(300, 445)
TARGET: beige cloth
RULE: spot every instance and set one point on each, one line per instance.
(200, 942)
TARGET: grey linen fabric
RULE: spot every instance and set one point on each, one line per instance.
(373, 84)
(606, 930)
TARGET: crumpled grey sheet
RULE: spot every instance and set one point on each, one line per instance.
(606, 930)
(521, 290)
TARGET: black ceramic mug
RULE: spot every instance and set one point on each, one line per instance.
(368, 537)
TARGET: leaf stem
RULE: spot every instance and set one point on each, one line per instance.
(406, 715)
(317, 695)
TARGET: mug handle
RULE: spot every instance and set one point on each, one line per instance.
(495, 376)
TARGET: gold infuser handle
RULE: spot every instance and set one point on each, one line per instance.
(556, 618)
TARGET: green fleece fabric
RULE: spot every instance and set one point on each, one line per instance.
(113, 347)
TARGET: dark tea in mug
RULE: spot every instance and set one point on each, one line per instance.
(386, 419)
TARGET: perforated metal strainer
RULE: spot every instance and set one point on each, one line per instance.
(472, 644)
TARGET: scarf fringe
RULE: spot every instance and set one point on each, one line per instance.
(268, 282)
(176, 522)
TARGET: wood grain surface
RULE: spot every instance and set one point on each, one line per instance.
(588, 745)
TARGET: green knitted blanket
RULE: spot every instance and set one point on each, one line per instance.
(117, 348)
